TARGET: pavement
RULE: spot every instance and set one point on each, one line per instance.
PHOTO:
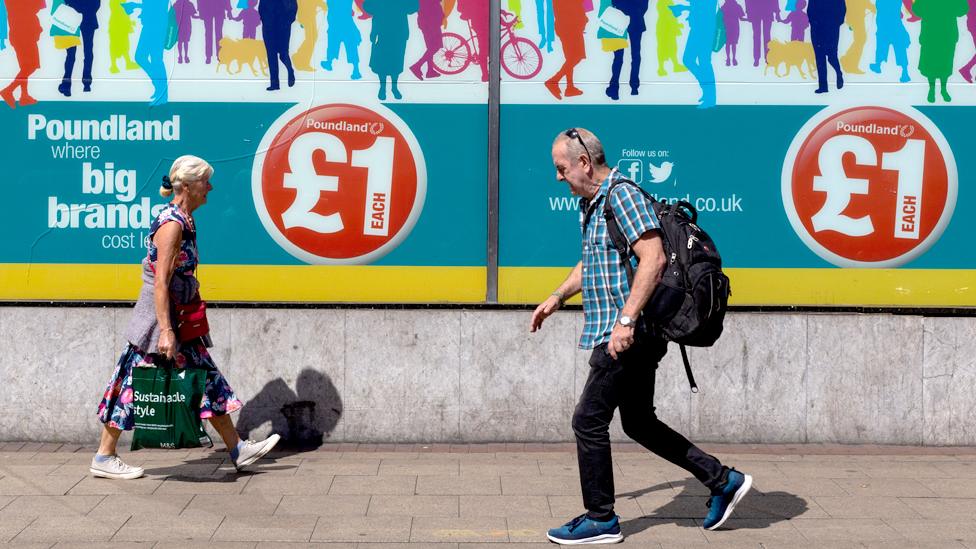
(374, 496)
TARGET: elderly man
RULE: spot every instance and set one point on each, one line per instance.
(623, 362)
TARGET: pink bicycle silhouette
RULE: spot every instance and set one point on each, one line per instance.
(520, 57)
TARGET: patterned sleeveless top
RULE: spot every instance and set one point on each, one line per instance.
(189, 257)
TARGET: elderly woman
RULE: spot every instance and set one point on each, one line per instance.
(168, 274)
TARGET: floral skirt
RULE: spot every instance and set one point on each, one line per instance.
(115, 409)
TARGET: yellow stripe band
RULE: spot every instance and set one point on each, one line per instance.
(293, 283)
(517, 285)
(802, 287)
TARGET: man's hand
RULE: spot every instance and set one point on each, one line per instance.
(543, 311)
(621, 339)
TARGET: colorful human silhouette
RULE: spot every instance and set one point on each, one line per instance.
(699, 47)
(826, 17)
(856, 19)
(635, 10)
(891, 34)
(342, 32)
(515, 7)
(250, 19)
(569, 25)
(546, 20)
(120, 27)
(911, 14)
(185, 11)
(429, 19)
(475, 12)
(732, 15)
(610, 42)
(668, 30)
(389, 39)
(967, 70)
(798, 21)
(24, 34)
(277, 17)
(89, 22)
(940, 33)
(213, 13)
(154, 15)
(761, 13)
(307, 17)
(362, 11)
(3, 26)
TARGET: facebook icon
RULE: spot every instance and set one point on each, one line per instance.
(632, 168)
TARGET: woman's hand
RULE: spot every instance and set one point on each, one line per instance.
(167, 343)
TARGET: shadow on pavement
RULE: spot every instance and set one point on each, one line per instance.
(758, 510)
(304, 418)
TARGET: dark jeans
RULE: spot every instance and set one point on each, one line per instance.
(628, 384)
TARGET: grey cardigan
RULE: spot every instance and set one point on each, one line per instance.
(143, 329)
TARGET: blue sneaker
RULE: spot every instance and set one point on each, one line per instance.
(721, 505)
(583, 529)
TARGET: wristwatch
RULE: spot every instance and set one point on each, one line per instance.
(626, 321)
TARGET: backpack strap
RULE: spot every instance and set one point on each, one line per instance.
(616, 235)
(691, 377)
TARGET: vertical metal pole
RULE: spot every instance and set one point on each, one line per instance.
(494, 125)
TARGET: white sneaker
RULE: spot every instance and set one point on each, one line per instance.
(115, 468)
(254, 451)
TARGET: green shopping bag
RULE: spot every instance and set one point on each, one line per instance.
(166, 406)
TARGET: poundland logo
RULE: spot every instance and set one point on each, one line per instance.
(906, 130)
(372, 128)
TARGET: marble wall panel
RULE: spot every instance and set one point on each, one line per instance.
(948, 380)
(864, 378)
(402, 366)
(514, 383)
(752, 381)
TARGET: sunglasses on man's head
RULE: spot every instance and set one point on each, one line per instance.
(572, 133)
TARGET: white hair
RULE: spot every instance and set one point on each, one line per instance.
(185, 169)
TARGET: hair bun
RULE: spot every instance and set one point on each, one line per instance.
(167, 183)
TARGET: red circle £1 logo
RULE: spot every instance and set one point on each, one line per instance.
(339, 183)
(869, 186)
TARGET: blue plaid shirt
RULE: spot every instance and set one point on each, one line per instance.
(605, 286)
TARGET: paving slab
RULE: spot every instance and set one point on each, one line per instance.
(232, 504)
(413, 506)
(140, 505)
(12, 526)
(363, 529)
(72, 529)
(262, 528)
(463, 529)
(292, 486)
(406, 467)
(324, 505)
(379, 485)
(169, 528)
(857, 530)
(454, 485)
(50, 506)
(90, 486)
(37, 485)
(504, 506)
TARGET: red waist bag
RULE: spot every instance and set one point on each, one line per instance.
(191, 321)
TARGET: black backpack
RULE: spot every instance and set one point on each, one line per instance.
(689, 302)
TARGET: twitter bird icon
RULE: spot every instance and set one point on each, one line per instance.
(660, 174)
